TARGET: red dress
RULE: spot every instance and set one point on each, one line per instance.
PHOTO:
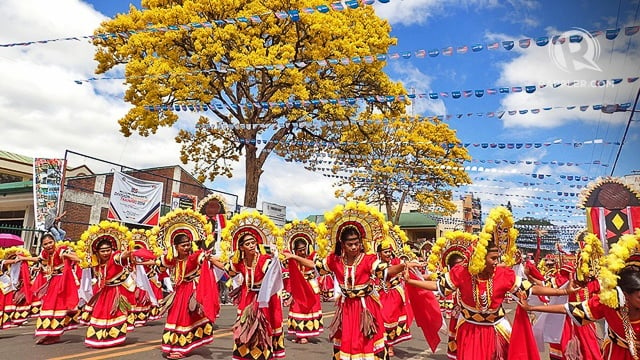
(143, 309)
(305, 312)
(614, 346)
(394, 309)
(482, 329)
(60, 295)
(356, 285)
(38, 282)
(7, 307)
(270, 316)
(585, 335)
(189, 321)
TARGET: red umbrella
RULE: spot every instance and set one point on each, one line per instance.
(8, 240)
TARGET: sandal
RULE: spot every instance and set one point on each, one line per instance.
(175, 355)
(303, 341)
(390, 352)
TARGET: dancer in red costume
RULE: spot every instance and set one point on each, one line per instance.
(452, 250)
(483, 332)
(15, 287)
(58, 312)
(107, 312)
(618, 302)
(305, 311)
(194, 305)
(148, 292)
(393, 300)
(258, 332)
(357, 331)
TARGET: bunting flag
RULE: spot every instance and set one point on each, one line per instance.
(351, 102)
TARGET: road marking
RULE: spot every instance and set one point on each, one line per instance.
(136, 348)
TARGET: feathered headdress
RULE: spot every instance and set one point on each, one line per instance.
(117, 234)
(254, 223)
(182, 221)
(368, 221)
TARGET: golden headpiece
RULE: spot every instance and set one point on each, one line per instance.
(300, 229)
(144, 239)
(182, 221)
(499, 227)
(589, 256)
(398, 241)
(117, 234)
(622, 253)
(8, 253)
(212, 203)
(254, 223)
(368, 222)
(453, 242)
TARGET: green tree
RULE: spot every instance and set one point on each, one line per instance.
(212, 64)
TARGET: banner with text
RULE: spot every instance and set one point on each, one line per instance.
(135, 201)
(183, 201)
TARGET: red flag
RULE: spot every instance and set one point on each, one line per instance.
(522, 342)
(301, 290)
(426, 312)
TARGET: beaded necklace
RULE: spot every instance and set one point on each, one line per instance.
(630, 335)
(350, 272)
(250, 271)
(483, 302)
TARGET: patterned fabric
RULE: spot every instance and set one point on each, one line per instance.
(244, 352)
(614, 347)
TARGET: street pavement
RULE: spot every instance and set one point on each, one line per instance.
(144, 343)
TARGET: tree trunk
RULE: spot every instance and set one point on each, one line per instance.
(253, 171)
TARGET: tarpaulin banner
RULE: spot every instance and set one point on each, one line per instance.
(48, 177)
(134, 201)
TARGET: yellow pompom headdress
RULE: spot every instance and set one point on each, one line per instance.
(398, 241)
(589, 256)
(368, 221)
(499, 227)
(117, 234)
(300, 229)
(260, 226)
(10, 252)
(621, 254)
(144, 239)
(182, 221)
(453, 242)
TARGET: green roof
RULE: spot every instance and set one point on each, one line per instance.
(410, 220)
(416, 220)
(7, 155)
(16, 187)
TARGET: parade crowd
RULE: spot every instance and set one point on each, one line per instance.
(114, 279)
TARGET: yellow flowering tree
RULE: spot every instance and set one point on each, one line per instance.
(401, 159)
(242, 63)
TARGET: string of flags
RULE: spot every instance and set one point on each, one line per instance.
(460, 168)
(559, 193)
(369, 99)
(333, 144)
(537, 162)
(577, 186)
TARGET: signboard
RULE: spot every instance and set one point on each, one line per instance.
(183, 201)
(135, 201)
(48, 176)
(277, 213)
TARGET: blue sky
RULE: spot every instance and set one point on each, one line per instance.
(417, 24)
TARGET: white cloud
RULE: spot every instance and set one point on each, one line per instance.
(420, 11)
(551, 64)
(417, 82)
(45, 112)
